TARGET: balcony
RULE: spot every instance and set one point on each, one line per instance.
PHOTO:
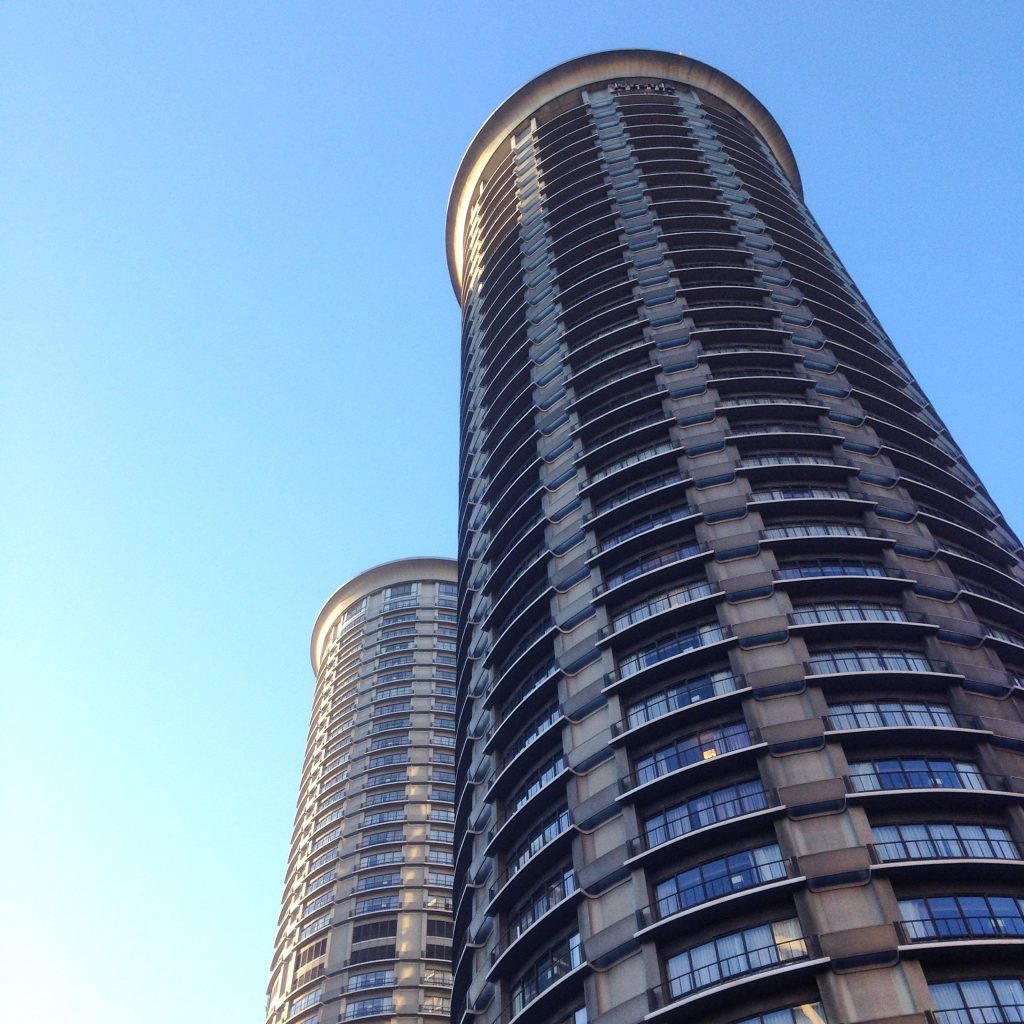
(677, 764)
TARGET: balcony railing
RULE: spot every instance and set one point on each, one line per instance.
(670, 647)
(704, 890)
(688, 751)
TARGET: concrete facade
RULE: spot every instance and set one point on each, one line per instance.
(366, 924)
(741, 661)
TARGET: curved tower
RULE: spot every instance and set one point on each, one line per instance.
(741, 632)
(366, 923)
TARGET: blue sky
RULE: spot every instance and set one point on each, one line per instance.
(229, 382)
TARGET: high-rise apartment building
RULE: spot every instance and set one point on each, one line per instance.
(366, 923)
(741, 633)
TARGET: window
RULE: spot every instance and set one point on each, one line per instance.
(540, 901)
(448, 589)
(540, 725)
(432, 976)
(438, 1005)
(439, 878)
(392, 723)
(383, 817)
(681, 695)
(828, 567)
(310, 998)
(330, 837)
(438, 951)
(719, 877)
(846, 611)
(324, 858)
(394, 677)
(392, 709)
(548, 772)
(310, 953)
(561, 958)
(735, 954)
(537, 840)
(378, 838)
(962, 917)
(914, 773)
(669, 646)
(387, 797)
(685, 593)
(390, 620)
(369, 1007)
(385, 759)
(390, 741)
(398, 659)
(868, 660)
(386, 778)
(651, 560)
(706, 809)
(374, 930)
(933, 840)
(408, 630)
(379, 881)
(354, 612)
(320, 901)
(441, 929)
(376, 904)
(979, 1001)
(371, 979)
(808, 1013)
(315, 926)
(374, 860)
(315, 883)
(386, 951)
(700, 746)
(871, 714)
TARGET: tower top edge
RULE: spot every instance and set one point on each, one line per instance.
(400, 570)
(576, 74)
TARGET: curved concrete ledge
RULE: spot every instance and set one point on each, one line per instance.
(576, 74)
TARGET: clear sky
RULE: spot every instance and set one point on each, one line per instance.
(229, 382)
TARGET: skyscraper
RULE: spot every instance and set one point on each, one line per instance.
(365, 928)
(741, 632)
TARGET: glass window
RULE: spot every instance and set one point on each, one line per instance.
(937, 840)
(915, 773)
(808, 1013)
(979, 1001)
(735, 954)
(681, 695)
(720, 877)
(705, 809)
(689, 750)
(958, 917)
(556, 961)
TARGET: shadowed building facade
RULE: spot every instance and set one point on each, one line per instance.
(365, 928)
(741, 632)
